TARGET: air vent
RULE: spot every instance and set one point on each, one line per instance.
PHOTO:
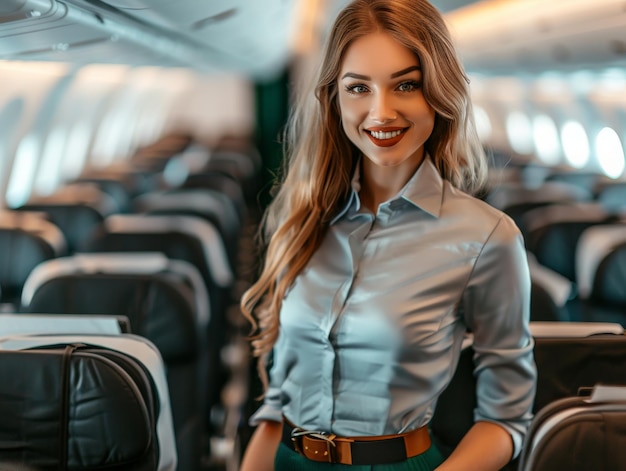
(214, 19)
(16, 10)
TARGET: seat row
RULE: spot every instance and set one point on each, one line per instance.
(572, 360)
(167, 262)
(97, 398)
(573, 226)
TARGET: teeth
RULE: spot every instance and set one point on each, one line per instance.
(385, 135)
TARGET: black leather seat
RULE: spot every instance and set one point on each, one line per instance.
(77, 407)
(165, 302)
(579, 433)
(26, 239)
(569, 356)
(76, 209)
(210, 205)
(601, 273)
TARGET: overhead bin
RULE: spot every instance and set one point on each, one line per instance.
(32, 26)
(501, 36)
(206, 36)
(81, 32)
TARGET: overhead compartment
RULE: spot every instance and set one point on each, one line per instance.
(80, 32)
(241, 36)
(48, 26)
(501, 36)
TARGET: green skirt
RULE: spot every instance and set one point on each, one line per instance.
(289, 460)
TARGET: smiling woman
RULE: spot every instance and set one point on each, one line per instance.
(378, 262)
(384, 113)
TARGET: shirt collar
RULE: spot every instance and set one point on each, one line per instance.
(424, 190)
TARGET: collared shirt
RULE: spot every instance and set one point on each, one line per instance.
(371, 330)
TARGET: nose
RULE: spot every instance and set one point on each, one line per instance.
(382, 110)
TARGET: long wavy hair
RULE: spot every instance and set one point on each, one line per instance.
(320, 159)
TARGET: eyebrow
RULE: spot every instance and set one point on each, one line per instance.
(394, 75)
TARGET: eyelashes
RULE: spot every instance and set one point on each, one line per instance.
(409, 86)
(405, 87)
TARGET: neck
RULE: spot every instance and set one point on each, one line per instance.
(379, 184)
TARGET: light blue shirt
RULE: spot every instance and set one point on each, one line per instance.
(371, 330)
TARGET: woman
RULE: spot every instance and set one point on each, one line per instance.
(379, 262)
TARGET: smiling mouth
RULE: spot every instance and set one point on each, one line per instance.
(386, 137)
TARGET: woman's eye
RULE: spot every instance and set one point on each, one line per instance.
(356, 89)
(409, 86)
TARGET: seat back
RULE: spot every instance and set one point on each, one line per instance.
(209, 205)
(163, 305)
(26, 239)
(550, 293)
(569, 356)
(76, 209)
(554, 231)
(78, 406)
(186, 238)
(579, 433)
(601, 261)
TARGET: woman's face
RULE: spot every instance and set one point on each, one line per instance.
(382, 106)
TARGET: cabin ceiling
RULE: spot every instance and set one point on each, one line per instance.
(254, 37)
(258, 37)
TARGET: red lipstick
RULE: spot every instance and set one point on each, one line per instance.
(385, 142)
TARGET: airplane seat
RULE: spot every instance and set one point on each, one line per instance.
(567, 434)
(589, 181)
(155, 156)
(607, 300)
(77, 209)
(26, 239)
(212, 206)
(550, 293)
(242, 166)
(85, 402)
(165, 301)
(517, 199)
(179, 237)
(117, 190)
(518, 192)
(569, 356)
(601, 264)
(221, 182)
(553, 234)
(612, 197)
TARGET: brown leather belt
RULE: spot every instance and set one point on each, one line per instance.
(328, 448)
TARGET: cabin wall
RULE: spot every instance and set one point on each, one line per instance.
(575, 121)
(57, 119)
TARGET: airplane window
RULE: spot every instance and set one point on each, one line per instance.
(575, 144)
(546, 137)
(610, 153)
(48, 176)
(519, 132)
(22, 174)
(76, 150)
(483, 123)
(9, 118)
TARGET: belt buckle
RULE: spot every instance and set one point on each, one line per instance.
(296, 439)
(298, 434)
(331, 447)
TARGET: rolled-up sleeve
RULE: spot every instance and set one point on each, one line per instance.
(496, 306)
(271, 409)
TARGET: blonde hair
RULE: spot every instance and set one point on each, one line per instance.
(321, 159)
